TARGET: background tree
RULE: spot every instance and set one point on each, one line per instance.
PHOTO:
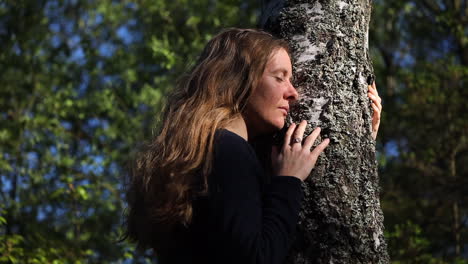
(420, 58)
(341, 220)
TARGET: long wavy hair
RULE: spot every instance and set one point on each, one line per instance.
(172, 169)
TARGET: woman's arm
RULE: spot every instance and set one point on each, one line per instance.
(254, 223)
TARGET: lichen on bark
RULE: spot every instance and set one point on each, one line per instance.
(341, 220)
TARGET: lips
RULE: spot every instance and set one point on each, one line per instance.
(285, 109)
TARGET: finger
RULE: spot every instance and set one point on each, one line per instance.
(376, 112)
(374, 98)
(299, 133)
(373, 91)
(288, 135)
(376, 108)
(374, 86)
(309, 141)
(319, 149)
(379, 105)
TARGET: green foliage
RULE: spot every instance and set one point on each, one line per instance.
(421, 63)
(81, 84)
(410, 245)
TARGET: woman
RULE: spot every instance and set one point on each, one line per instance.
(196, 193)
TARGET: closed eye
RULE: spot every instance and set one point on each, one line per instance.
(279, 79)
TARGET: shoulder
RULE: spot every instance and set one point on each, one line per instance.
(235, 164)
(234, 153)
(229, 144)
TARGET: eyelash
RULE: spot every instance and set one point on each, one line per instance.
(279, 79)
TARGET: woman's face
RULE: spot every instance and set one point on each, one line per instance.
(269, 103)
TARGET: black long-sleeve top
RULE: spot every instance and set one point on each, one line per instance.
(243, 219)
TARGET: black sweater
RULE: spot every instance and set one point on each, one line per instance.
(242, 220)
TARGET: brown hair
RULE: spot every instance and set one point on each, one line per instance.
(173, 168)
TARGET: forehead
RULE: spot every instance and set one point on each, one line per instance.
(279, 61)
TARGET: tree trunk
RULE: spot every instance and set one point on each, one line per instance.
(341, 220)
(455, 207)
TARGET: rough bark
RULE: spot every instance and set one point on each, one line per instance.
(341, 219)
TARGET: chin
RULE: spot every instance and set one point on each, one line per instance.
(278, 125)
(266, 126)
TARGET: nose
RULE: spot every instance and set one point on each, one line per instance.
(291, 93)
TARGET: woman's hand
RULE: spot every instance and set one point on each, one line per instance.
(296, 159)
(377, 106)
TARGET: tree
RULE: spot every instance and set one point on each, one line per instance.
(341, 220)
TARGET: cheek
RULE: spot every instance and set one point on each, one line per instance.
(270, 95)
(266, 97)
